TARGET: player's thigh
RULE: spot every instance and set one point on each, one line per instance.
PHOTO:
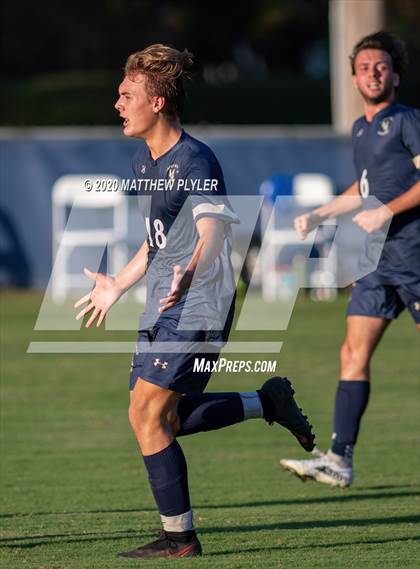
(152, 400)
(363, 334)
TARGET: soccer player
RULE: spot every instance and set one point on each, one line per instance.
(190, 292)
(386, 143)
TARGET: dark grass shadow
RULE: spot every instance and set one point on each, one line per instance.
(312, 546)
(385, 487)
(316, 524)
(58, 535)
(340, 496)
(25, 542)
(85, 537)
(88, 512)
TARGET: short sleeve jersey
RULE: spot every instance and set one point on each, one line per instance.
(386, 159)
(175, 191)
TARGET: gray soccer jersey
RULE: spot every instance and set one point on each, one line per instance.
(175, 191)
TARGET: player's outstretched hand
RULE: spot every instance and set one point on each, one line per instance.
(305, 223)
(373, 219)
(100, 299)
(180, 283)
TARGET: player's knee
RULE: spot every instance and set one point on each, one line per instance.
(142, 414)
(345, 353)
(173, 422)
(134, 416)
(353, 356)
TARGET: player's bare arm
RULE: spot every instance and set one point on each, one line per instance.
(373, 219)
(108, 289)
(211, 235)
(341, 205)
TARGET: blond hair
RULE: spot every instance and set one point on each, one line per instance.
(166, 71)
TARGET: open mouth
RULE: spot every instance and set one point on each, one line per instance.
(125, 121)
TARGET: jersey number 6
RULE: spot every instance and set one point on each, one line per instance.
(364, 184)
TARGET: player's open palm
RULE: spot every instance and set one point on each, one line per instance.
(100, 299)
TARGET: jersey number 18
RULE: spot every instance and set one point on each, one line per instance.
(160, 236)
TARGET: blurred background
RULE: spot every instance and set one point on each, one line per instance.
(271, 95)
(266, 63)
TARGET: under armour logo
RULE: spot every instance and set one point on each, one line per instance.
(163, 365)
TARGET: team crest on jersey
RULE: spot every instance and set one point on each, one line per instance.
(385, 126)
(359, 132)
(172, 170)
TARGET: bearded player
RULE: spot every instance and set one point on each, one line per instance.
(386, 144)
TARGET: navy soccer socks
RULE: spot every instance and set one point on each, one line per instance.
(350, 403)
(210, 411)
(167, 468)
(168, 478)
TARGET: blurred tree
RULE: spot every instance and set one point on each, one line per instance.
(61, 61)
(403, 18)
(49, 36)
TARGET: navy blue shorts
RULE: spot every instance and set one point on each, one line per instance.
(371, 297)
(175, 371)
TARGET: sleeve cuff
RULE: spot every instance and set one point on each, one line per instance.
(215, 210)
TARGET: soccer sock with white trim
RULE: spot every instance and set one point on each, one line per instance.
(211, 411)
(168, 477)
(350, 403)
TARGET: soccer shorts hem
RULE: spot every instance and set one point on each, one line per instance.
(372, 297)
(173, 371)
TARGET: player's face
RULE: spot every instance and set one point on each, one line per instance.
(374, 76)
(136, 108)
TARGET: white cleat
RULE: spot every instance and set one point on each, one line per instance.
(328, 468)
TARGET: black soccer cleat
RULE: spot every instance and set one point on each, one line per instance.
(165, 547)
(285, 411)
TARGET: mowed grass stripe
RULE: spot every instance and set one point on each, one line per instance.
(74, 490)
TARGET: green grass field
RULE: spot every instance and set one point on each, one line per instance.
(74, 489)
